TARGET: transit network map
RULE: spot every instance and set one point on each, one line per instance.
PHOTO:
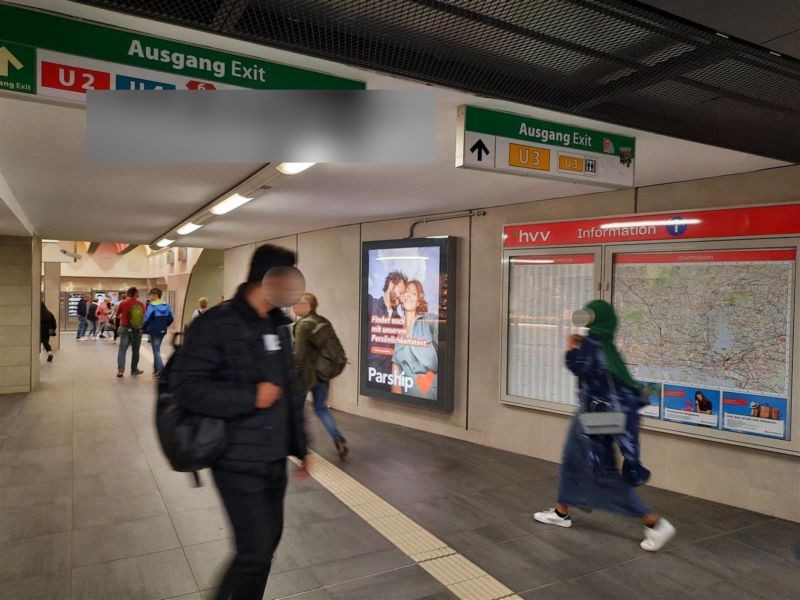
(716, 320)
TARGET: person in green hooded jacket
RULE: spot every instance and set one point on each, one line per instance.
(589, 476)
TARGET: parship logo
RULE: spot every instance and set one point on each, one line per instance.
(677, 226)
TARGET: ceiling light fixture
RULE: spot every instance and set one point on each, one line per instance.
(230, 203)
(164, 242)
(188, 228)
(293, 168)
(49, 241)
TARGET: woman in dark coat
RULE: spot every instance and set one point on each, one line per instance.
(589, 475)
(47, 328)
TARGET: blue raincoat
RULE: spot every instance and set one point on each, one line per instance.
(590, 478)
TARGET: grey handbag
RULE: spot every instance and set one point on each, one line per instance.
(609, 420)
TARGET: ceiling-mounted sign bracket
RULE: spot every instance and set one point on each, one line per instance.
(502, 142)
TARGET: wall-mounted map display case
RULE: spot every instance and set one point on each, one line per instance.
(706, 301)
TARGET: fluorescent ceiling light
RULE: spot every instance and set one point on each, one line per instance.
(230, 203)
(290, 168)
(665, 222)
(49, 241)
(402, 258)
(188, 228)
(532, 261)
(164, 242)
(437, 237)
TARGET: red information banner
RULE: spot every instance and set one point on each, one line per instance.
(560, 259)
(706, 257)
(682, 225)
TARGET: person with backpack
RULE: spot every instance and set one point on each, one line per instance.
(319, 357)
(91, 317)
(202, 307)
(47, 329)
(131, 319)
(157, 320)
(236, 365)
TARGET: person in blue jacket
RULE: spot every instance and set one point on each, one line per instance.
(157, 320)
(589, 475)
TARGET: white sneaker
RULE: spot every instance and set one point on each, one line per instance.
(655, 538)
(550, 517)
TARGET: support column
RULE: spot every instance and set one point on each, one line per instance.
(20, 284)
(52, 292)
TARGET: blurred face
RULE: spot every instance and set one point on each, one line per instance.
(410, 299)
(283, 286)
(302, 308)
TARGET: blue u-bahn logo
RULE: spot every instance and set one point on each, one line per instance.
(679, 226)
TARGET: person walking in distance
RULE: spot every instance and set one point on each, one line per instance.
(103, 313)
(236, 364)
(81, 309)
(314, 333)
(47, 329)
(589, 475)
(91, 317)
(131, 318)
(157, 320)
(202, 307)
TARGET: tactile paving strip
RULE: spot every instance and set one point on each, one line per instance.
(461, 576)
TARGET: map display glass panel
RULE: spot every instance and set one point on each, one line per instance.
(719, 320)
(544, 291)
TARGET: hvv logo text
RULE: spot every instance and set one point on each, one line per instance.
(531, 237)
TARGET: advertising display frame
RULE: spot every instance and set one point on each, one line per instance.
(605, 277)
(448, 259)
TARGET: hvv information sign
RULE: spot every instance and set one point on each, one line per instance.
(60, 57)
(497, 141)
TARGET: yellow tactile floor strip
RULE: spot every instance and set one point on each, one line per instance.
(459, 575)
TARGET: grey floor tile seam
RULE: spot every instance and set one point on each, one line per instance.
(653, 555)
(172, 522)
(338, 583)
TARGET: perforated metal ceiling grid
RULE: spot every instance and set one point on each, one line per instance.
(612, 60)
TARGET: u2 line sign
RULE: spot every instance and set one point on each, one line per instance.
(507, 143)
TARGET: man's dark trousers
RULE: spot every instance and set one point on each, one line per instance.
(254, 503)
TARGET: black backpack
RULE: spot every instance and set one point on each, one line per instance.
(190, 441)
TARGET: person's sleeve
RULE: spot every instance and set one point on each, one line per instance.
(581, 360)
(147, 314)
(197, 381)
(302, 342)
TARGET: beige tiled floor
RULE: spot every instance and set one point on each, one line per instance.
(89, 509)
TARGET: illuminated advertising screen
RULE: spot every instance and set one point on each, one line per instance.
(408, 321)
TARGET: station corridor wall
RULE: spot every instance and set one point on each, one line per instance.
(20, 291)
(754, 479)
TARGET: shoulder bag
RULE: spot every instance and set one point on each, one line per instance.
(603, 417)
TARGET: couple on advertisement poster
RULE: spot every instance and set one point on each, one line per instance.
(403, 354)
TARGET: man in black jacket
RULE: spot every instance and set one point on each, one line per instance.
(236, 364)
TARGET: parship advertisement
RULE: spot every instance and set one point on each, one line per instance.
(407, 322)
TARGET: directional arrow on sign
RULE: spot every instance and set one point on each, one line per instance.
(7, 58)
(480, 148)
